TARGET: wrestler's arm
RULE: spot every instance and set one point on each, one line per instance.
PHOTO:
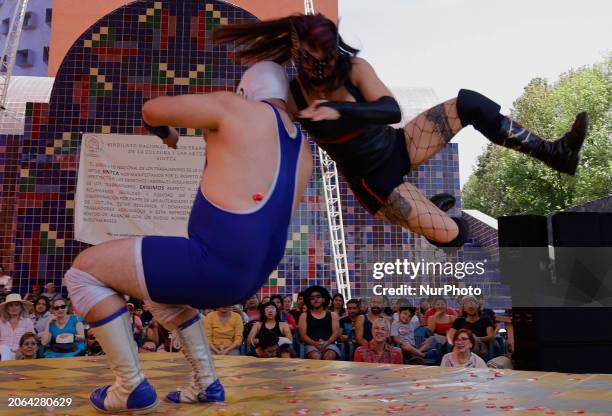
(380, 106)
(198, 111)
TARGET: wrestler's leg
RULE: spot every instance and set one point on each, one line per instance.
(407, 207)
(98, 276)
(94, 282)
(204, 386)
(430, 131)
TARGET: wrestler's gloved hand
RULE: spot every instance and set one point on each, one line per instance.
(160, 131)
(385, 110)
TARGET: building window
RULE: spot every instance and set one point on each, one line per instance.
(46, 54)
(25, 58)
(29, 21)
(48, 15)
(6, 25)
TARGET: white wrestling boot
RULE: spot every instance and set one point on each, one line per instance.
(205, 387)
(131, 391)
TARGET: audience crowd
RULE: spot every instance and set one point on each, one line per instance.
(312, 324)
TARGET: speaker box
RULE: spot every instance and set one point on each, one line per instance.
(566, 339)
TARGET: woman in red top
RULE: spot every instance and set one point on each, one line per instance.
(440, 322)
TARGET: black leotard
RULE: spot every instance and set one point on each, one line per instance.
(372, 158)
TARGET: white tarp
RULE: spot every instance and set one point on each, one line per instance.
(134, 185)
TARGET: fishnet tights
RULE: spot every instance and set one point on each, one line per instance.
(407, 207)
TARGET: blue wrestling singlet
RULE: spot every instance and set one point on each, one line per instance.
(228, 255)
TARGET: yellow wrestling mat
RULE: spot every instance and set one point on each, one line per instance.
(305, 387)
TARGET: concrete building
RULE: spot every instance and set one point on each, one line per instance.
(33, 52)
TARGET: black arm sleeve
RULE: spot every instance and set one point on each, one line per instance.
(160, 131)
(385, 110)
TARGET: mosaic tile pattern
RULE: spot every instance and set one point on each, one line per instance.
(306, 387)
(143, 50)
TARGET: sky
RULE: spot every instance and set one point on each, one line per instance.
(494, 47)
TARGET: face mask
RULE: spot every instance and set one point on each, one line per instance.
(318, 71)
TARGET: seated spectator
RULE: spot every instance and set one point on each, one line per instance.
(270, 322)
(41, 315)
(288, 305)
(402, 333)
(64, 335)
(14, 322)
(363, 306)
(347, 324)
(424, 306)
(363, 325)
(481, 327)
(319, 328)
(137, 327)
(286, 351)
(267, 345)
(402, 303)
(463, 342)
(224, 331)
(378, 349)
(252, 308)
(284, 316)
(50, 292)
(337, 305)
(146, 317)
(33, 294)
(28, 347)
(148, 346)
(5, 280)
(93, 346)
(238, 309)
(439, 321)
(298, 308)
(486, 312)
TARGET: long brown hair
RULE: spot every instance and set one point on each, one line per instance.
(275, 40)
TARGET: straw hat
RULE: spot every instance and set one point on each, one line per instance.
(15, 297)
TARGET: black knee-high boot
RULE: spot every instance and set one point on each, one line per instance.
(482, 113)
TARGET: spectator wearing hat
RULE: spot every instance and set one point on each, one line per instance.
(14, 322)
(41, 316)
(319, 328)
(5, 280)
(481, 326)
(33, 295)
(64, 335)
(28, 347)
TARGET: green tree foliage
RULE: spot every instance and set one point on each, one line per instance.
(506, 182)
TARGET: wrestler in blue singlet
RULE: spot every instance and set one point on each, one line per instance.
(229, 254)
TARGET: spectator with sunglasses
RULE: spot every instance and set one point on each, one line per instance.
(64, 335)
